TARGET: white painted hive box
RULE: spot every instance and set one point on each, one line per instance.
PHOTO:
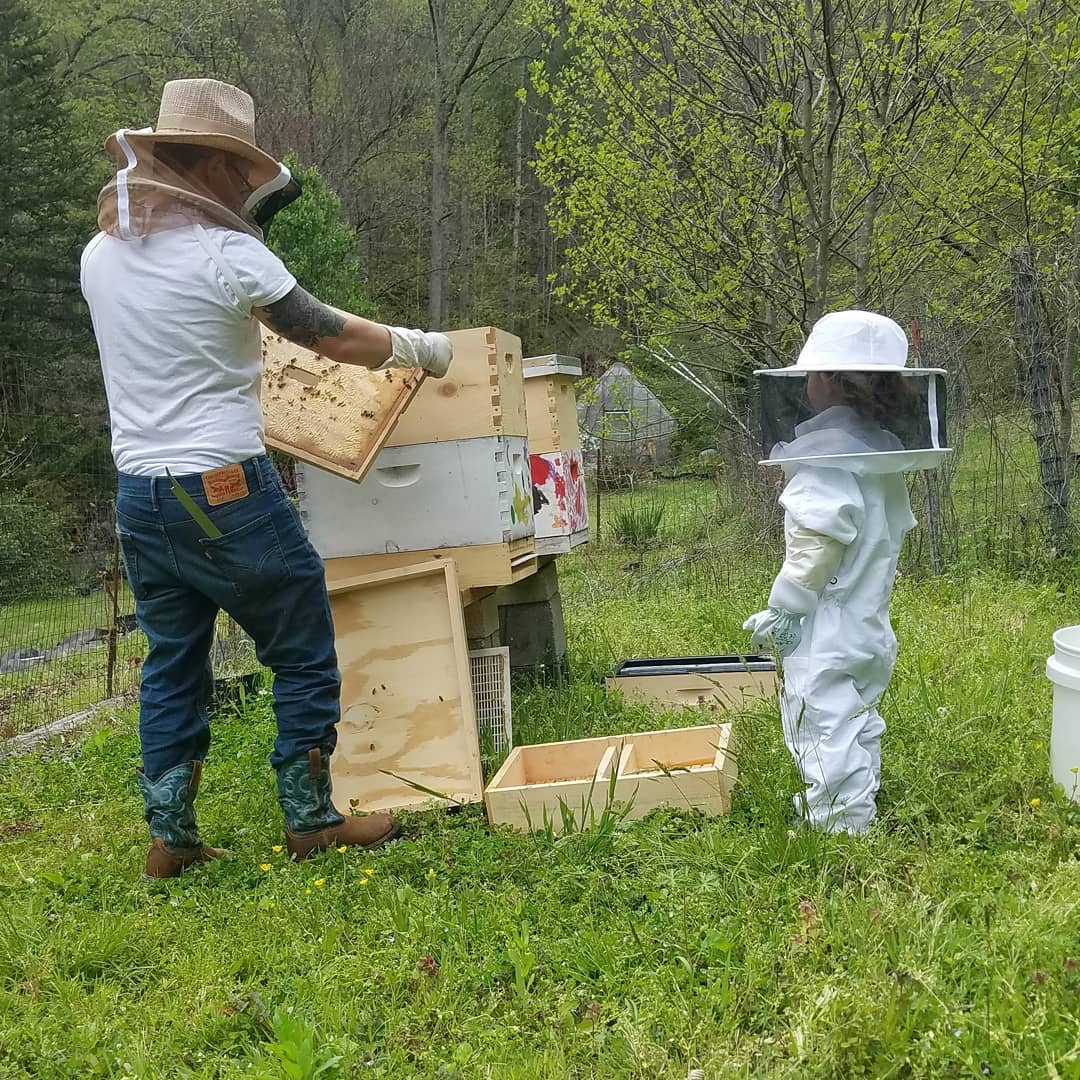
(423, 497)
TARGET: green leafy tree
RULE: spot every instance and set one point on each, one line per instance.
(43, 212)
(318, 245)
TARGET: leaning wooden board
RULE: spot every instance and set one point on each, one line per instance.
(336, 416)
(406, 694)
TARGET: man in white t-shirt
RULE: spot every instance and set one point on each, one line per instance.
(177, 282)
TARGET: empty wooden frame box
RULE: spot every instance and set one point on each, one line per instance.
(558, 474)
(452, 481)
(684, 768)
(714, 683)
(407, 714)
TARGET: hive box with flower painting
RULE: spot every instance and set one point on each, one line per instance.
(558, 476)
(451, 482)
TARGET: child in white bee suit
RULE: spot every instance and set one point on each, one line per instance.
(845, 423)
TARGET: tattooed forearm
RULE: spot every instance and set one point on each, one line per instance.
(303, 319)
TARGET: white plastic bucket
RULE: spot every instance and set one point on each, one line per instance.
(1063, 670)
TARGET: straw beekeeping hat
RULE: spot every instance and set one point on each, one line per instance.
(205, 112)
(152, 191)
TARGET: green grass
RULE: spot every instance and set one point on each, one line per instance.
(44, 692)
(943, 944)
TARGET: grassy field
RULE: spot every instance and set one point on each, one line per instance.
(943, 944)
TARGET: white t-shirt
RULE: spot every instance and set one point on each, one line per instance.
(180, 351)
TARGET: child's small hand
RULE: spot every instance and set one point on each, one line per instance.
(780, 629)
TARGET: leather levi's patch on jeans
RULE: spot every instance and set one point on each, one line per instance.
(225, 485)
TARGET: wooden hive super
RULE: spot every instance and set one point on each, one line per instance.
(407, 713)
(452, 482)
(558, 472)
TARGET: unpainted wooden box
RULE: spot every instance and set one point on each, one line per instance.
(479, 566)
(482, 395)
(714, 683)
(551, 403)
(336, 416)
(422, 497)
(407, 712)
(685, 768)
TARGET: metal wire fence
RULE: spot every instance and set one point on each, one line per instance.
(68, 637)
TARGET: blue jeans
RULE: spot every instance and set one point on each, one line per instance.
(265, 573)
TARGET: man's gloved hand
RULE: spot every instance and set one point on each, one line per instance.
(419, 349)
(775, 627)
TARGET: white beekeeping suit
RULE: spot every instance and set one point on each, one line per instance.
(845, 423)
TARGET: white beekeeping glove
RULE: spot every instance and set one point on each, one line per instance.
(812, 560)
(782, 629)
(419, 349)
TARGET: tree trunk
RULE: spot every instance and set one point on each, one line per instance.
(866, 244)
(465, 250)
(440, 202)
(1037, 364)
(519, 156)
(440, 166)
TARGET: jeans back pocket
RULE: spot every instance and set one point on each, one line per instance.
(250, 558)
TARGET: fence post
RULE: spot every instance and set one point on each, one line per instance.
(112, 584)
(595, 527)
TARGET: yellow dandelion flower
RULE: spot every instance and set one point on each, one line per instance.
(319, 882)
(431, 872)
(1036, 801)
(364, 880)
(265, 866)
(341, 850)
(369, 870)
(276, 849)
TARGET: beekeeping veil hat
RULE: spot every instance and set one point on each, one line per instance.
(850, 401)
(201, 162)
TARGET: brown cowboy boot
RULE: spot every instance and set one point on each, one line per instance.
(170, 813)
(311, 821)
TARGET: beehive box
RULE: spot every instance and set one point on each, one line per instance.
(715, 683)
(551, 404)
(685, 768)
(560, 501)
(407, 712)
(558, 473)
(479, 566)
(482, 395)
(336, 416)
(429, 496)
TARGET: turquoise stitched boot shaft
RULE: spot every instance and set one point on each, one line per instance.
(312, 822)
(304, 791)
(170, 813)
(170, 804)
